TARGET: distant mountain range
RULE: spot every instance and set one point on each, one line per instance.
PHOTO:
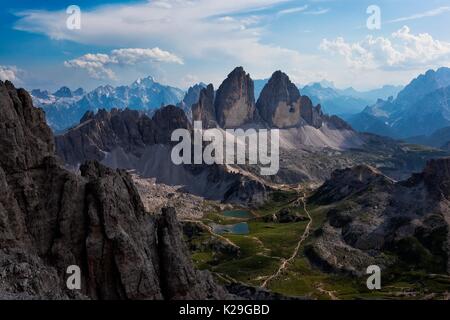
(259, 86)
(421, 108)
(190, 98)
(344, 102)
(65, 108)
(340, 102)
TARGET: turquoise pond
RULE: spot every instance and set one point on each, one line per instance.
(238, 228)
(242, 214)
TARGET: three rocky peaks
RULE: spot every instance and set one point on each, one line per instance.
(280, 104)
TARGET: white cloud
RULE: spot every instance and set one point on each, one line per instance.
(303, 10)
(183, 21)
(136, 55)
(240, 23)
(402, 50)
(317, 12)
(9, 73)
(293, 10)
(202, 30)
(213, 37)
(98, 65)
(430, 13)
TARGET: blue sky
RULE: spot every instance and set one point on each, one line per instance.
(181, 42)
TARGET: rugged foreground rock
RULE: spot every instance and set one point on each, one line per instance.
(374, 220)
(51, 219)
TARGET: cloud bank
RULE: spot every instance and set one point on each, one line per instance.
(215, 34)
(98, 64)
(403, 50)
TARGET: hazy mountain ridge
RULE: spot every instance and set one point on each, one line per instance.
(421, 108)
(190, 98)
(345, 102)
(63, 110)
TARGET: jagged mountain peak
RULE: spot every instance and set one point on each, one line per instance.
(279, 103)
(79, 92)
(146, 81)
(41, 94)
(235, 100)
(204, 109)
(63, 92)
(421, 108)
(424, 84)
(191, 97)
(237, 70)
(104, 88)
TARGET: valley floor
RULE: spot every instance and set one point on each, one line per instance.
(272, 255)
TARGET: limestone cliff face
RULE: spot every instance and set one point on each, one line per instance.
(311, 114)
(51, 219)
(204, 109)
(279, 102)
(235, 100)
(280, 105)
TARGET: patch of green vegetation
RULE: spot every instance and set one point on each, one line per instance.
(420, 148)
(249, 269)
(249, 245)
(280, 238)
(414, 256)
(279, 200)
(220, 219)
(319, 215)
(203, 259)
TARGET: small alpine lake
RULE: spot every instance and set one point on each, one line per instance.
(238, 228)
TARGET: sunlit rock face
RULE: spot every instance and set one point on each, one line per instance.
(235, 100)
(279, 102)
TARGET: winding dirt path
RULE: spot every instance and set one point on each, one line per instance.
(331, 294)
(286, 262)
